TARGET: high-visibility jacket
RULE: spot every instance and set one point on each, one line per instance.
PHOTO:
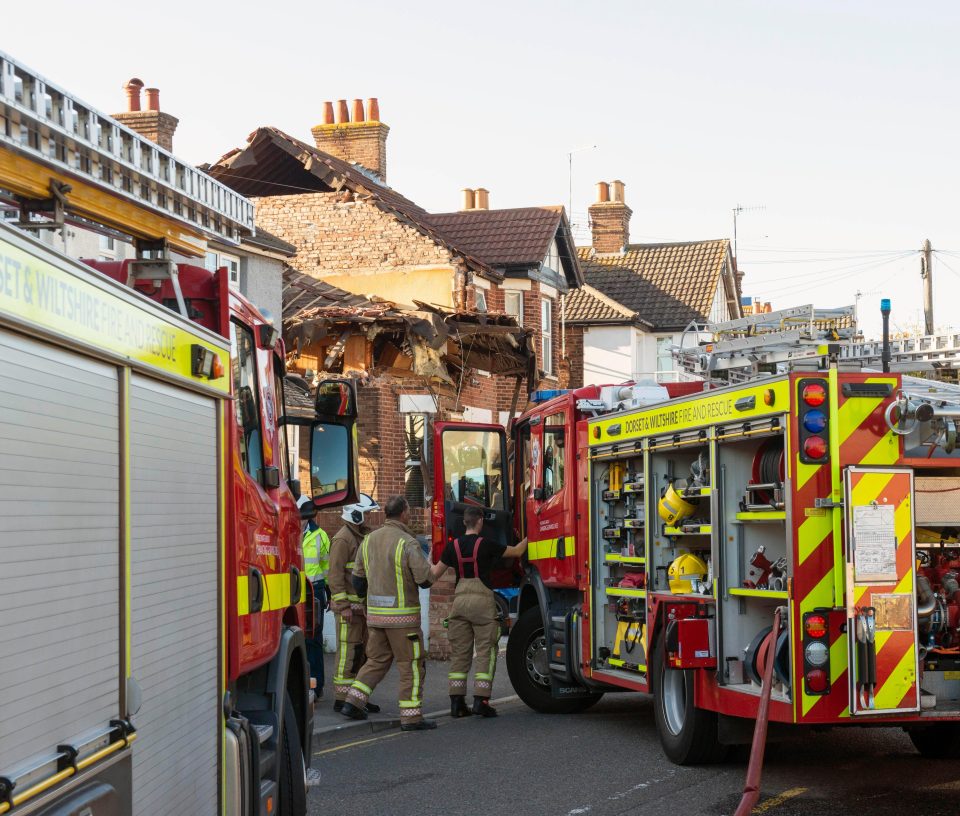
(316, 554)
(343, 553)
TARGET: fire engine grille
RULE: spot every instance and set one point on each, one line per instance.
(174, 599)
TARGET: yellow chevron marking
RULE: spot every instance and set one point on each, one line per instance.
(903, 676)
(881, 639)
(811, 534)
(885, 452)
(805, 472)
(858, 593)
(869, 487)
(821, 595)
(905, 587)
(902, 520)
(852, 413)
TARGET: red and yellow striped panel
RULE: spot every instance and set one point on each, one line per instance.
(858, 435)
(895, 642)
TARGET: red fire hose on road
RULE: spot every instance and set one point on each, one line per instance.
(751, 790)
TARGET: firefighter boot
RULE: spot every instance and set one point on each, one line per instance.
(419, 725)
(353, 712)
(372, 708)
(481, 705)
(458, 706)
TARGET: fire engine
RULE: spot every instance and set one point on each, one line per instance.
(155, 603)
(668, 524)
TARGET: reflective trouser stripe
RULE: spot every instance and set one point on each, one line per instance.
(415, 694)
(342, 661)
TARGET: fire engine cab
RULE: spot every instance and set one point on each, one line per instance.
(667, 525)
(155, 603)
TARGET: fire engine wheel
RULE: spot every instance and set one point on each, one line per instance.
(688, 734)
(941, 741)
(529, 669)
(292, 792)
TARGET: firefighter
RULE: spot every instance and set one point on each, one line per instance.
(348, 608)
(389, 569)
(473, 628)
(316, 554)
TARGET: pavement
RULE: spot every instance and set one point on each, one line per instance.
(607, 762)
(330, 728)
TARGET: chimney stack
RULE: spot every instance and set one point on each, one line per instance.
(482, 199)
(152, 123)
(610, 218)
(360, 139)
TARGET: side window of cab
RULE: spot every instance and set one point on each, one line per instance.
(554, 448)
(246, 398)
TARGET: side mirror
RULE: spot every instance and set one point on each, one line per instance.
(334, 473)
(337, 398)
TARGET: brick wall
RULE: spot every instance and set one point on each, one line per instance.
(362, 142)
(333, 236)
(575, 355)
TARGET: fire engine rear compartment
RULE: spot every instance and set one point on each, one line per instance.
(110, 541)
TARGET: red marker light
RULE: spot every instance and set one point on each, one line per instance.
(814, 394)
(815, 626)
(815, 447)
(816, 681)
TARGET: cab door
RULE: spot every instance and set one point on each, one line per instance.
(469, 469)
(550, 509)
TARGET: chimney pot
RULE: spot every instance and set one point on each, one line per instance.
(343, 114)
(328, 113)
(617, 191)
(358, 110)
(373, 109)
(468, 199)
(132, 88)
(153, 99)
(482, 199)
(603, 192)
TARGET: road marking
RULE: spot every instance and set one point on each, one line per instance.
(358, 742)
(584, 809)
(640, 786)
(951, 786)
(778, 800)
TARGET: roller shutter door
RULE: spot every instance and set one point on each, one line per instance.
(174, 601)
(59, 548)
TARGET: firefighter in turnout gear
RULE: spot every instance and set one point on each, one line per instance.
(390, 569)
(473, 628)
(348, 607)
(316, 554)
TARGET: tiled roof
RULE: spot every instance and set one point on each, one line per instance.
(302, 291)
(665, 285)
(589, 305)
(270, 242)
(517, 236)
(274, 163)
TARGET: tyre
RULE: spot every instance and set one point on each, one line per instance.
(939, 741)
(292, 788)
(688, 734)
(529, 669)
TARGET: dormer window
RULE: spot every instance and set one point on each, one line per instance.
(552, 261)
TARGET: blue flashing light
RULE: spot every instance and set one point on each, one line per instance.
(885, 306)
(814, 421)
(543, 396)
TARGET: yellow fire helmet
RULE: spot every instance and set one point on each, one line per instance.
(684, 570)
(673, 508)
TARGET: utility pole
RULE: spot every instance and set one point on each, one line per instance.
(926, 275)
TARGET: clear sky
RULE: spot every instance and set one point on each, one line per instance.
(838, 117)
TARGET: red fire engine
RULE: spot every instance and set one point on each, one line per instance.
(667, 524)
(151, 523)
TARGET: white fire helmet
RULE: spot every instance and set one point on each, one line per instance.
(355, 512)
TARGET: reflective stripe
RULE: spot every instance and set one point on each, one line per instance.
(549, 548)
(393, 610)
(482, 676)
(397, 561)
(316, 553)
(415, 694)
(409, 704)
(457, 675)
(276, 593)
(350, 565)
(339, 596)
(342, 648)
(362, 687)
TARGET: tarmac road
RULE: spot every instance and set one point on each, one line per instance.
(607, 762)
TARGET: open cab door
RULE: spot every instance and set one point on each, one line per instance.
(334, 467)
(469, 470)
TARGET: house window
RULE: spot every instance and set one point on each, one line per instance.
(481, 298)
(107, 243)
(552, 261)
(513, 305)
(415, 459)
(214, 260)
(546, 335)
(664, 354)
